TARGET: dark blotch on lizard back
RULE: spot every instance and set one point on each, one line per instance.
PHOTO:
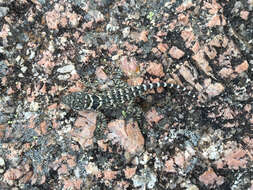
(96, 102)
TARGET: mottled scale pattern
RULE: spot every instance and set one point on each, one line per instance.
(111, 98)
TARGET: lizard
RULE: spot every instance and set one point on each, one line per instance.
(79, 101)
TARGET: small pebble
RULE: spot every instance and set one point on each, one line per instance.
(66, 69)
(3, 11)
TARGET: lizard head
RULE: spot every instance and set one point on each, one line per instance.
(77, 101)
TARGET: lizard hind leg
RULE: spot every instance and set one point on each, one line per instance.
(119, 83)
(133, 111)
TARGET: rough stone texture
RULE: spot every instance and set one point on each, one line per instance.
(51, 48)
